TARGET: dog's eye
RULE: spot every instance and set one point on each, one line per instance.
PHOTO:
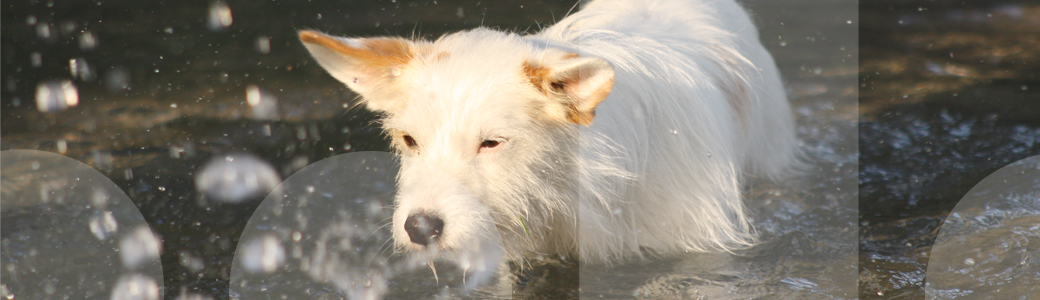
(409, 141)
(489, 145)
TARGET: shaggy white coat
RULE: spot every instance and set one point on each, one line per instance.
(695, 104)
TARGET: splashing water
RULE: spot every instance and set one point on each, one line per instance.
(136, 287)
(264, 254)
(236, 177)
(139, 247)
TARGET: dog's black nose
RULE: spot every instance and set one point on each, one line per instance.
(422, 228)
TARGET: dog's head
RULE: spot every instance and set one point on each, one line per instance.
(486, 123)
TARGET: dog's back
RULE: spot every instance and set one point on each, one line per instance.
(697, 103)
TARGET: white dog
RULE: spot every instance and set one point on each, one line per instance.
(628, 124)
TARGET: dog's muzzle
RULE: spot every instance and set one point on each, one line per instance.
(423, 228)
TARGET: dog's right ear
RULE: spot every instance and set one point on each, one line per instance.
(578, 83)
(368, 66)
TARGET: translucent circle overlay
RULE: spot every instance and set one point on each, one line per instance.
(77, 235)
(989, 246)
(325, 233)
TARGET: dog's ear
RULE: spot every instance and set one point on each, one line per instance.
(368, 66)
(580, 83)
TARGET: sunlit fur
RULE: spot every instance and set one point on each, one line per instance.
(696, 105)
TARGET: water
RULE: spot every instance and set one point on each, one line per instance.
(947, 97)
(150, 93)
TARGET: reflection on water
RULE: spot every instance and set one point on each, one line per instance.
(948, 93)
(988, 245)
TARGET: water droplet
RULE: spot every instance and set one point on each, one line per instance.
(264, 254)
(87, 41)
(347, 147)
(783, 43)
(117, 79)
(43, 30)
(103, 224)
(219, 16)
(136, 287)
(263, 44)
(236, 177)
(31, 20)
(53, 96)
(162, 188)
(460, 13)
(310, 189)
(79, 68)
(969, 261)
(62, 146)
(168, 30)
(36, 58)
(262, 104)
(674, 131)
(138, 247)
(191, 262)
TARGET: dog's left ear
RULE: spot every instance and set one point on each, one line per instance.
(580, 83)
(368, 66)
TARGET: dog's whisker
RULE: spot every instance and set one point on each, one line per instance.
(434, 269)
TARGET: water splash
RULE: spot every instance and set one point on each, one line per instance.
(136, 287)
(264, 254)
(138, 247)
(236, 177)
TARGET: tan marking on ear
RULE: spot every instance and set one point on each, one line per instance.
(585, 118)
(376, 53)
(562, 90)
(537, 75)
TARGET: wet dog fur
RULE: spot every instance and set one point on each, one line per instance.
(629, 124)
